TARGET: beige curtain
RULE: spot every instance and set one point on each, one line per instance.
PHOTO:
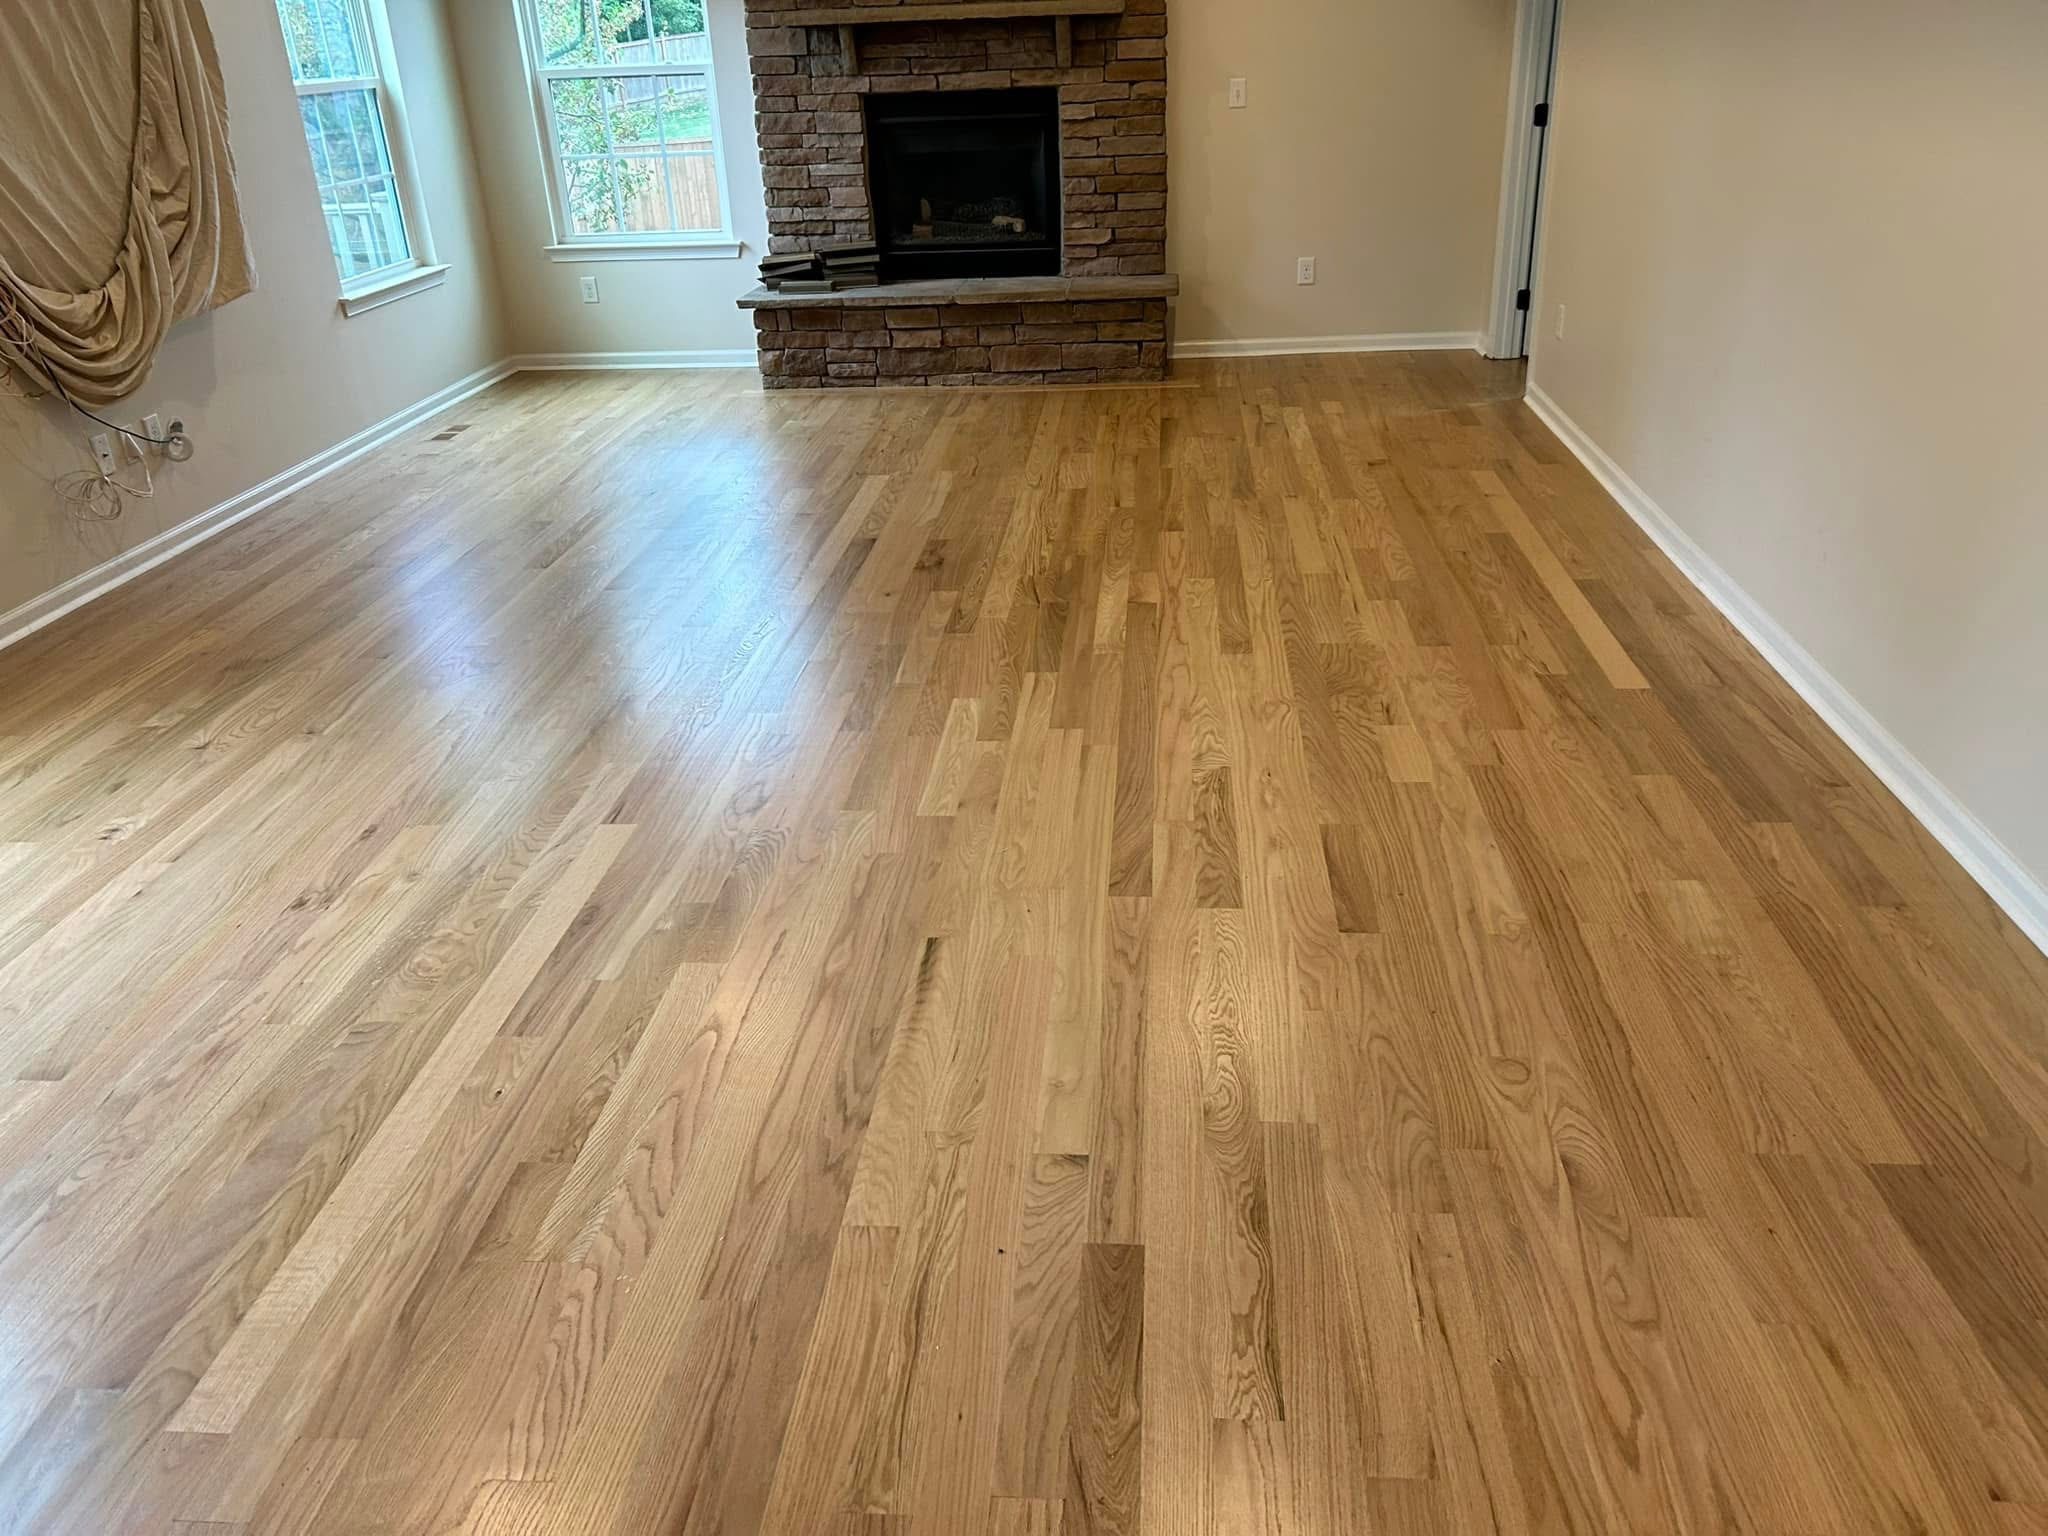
(118, 210)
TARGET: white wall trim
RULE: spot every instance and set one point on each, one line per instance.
(550, 362)
(1305, 346)
(1266, 346)
(2017, 890)
(390, 290)
(1535, 41)
(19, 623)
(647, 250)
(81, 589)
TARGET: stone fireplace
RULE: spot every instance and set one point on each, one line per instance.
(1009, 158)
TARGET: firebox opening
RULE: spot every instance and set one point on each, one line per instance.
(966, 183)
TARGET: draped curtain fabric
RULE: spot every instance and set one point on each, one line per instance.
(118, 209)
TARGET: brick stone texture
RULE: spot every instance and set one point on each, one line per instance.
(1112, 119)
(1082, 341)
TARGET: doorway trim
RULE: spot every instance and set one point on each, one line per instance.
(1536, 25)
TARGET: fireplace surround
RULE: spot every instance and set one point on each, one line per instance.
(1089, 300)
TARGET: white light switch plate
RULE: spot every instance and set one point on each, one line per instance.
(1240, 94)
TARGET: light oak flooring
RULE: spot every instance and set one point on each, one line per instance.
(1241, 958)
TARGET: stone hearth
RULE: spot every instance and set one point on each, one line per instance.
(966, 331)
(812, 70)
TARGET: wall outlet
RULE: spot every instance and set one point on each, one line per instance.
(1305, 271)
(102, 446)
(590, 290)
(153, 427)
(1240, 95)
(1560, 322)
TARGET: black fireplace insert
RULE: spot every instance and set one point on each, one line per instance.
(966, 183)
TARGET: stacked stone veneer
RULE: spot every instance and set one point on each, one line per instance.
(1083, 341)
(813, 133)
(1112, 119)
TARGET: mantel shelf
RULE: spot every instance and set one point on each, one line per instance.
(943, 292)
(937, 10)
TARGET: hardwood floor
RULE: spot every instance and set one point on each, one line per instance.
(1236, 958)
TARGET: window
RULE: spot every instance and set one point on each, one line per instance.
(629, 121)
(348, 102)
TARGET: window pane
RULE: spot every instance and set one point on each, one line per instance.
(685, 105)
(325, 172)
(365, 226)
(366, 131)
(358, 192)
(622, 195)
(322, 40)
(685, 109)
(333, 142)
(678, 33)
(637, 154)
(583, 32)
(568, 32)
(600, 116)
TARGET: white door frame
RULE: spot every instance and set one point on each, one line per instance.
(1536, 26)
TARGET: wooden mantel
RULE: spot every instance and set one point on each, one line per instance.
(847, 17)
(941, 10)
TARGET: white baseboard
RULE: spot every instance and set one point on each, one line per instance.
(81, 589)
(555, 362)
(1307, 346)
(2017, 890)
(1273, 346)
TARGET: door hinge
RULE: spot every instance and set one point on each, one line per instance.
(1522, 300)
(1542, 114)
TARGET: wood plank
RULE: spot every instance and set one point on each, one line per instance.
(1239, 958)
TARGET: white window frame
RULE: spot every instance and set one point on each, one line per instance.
(421, 269)
(614, 245)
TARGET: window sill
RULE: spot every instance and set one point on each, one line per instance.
(717, 248)
(389, 290)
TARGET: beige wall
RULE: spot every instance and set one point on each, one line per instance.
(1372, 143)
(644, 306)
(1801, 248)
(282, 374)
